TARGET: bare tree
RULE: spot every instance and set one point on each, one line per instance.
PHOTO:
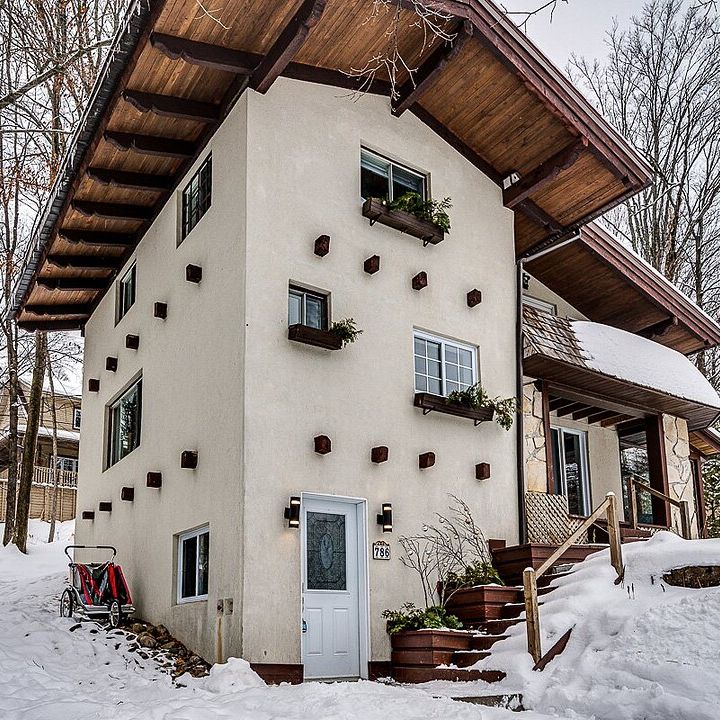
(54, 457)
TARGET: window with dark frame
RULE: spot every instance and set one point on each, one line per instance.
(197, 197)
(124, 424)
(307, 308)
(77, 416)
(126, 292)
(193, 565)
(387, 180)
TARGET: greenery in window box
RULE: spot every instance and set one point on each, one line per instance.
(410, 617)
(435, 211)
(477, 398)
(346, 330)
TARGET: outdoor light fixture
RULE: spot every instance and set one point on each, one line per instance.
(385, 518)
(292, 513)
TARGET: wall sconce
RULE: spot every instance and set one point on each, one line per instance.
(386, 518)
(292, 513)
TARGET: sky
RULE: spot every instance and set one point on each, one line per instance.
(577, 26)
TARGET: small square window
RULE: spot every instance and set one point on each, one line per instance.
(77, 416)
(125, 416)
(307, 308)
(384, 179)
(193, 555)
(197, 197)
(125, 293)
(443, 366)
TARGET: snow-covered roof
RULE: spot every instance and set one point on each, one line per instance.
(70, 435)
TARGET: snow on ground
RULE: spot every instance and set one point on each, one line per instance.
(50, 672)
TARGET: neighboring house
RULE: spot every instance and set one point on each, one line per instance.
(213, 227)
(68, 416)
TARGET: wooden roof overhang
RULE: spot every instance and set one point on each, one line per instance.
(706, 442)
(176, 72)
(610, 284)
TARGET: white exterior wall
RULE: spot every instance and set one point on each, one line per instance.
(302, 180)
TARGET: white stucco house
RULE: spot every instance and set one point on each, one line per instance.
(221, 208)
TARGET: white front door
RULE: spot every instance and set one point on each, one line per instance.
(331, 573)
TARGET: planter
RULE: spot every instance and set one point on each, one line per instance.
(377, 211)
(313, 336)
(475, 605)
(429, 402)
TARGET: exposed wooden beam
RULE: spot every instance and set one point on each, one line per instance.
(614, 420)
(206, 55)
(73, 283)
(97, 238)
(96, 262)
(151, 145)
(112, 211)
(659, 329)
(285, 48)
(172, 106)
(543, 174)
(335, 78)
(430, 70)
(570, 409)
(131, 180)
(558, 403)
(601, 415)
(82, 309)
(585, 412)
(539, 216)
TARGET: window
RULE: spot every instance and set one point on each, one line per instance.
(68, 464)
(539, 305)
(570, 464)
(442, 366)
(307, 308)
(384, 179)
(125, 293)
(77, 415)
(196, 197)
(193, 561)
(124, 426)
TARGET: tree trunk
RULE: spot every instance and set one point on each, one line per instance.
(30, 443)
(12, 434)
(54, 460)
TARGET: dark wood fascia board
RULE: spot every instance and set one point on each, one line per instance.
(97, 238)
(67, 309)
(73, 283)
(85, 262)
(150, 145)
(335, 78)
(131, 180)
(431, 69)
(544, 174)
(51, 325)
(659, 329)
(171, 106)
(112, 211)
(284, 49)
(206, 55)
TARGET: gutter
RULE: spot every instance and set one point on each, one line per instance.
(123, 46)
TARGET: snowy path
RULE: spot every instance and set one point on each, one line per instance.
(50, 673)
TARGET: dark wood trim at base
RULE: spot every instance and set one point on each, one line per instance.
(276, 673)
(378, 669)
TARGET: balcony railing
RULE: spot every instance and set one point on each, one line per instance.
(44, 476)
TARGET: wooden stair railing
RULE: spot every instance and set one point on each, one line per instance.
(530, 575)
(682, 505)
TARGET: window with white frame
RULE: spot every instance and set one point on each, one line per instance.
(306, 307)
(125, 416)
(538, 304)
(193, 555)
(77, 415)
(125, 293)
(443, 366)
(62, 462)
(388, 180)
(570, 466)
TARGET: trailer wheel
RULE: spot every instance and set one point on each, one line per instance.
(66, 604)
(114, 614)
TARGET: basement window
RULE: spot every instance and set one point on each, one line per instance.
(387, 180)
(125, 416)
(193, 555)
(125, 293)
(197, 197)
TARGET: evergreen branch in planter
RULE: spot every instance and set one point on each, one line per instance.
(434, 211)
(476, 397)
(346, 330)
(410, 617)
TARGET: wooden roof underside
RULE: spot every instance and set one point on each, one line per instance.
(706, 442)
(490, 94)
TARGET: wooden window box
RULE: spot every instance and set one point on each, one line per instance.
(429, 402)
(377, 211)
(313, 336)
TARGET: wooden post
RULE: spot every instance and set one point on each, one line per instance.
(685, 519)
(632, 497)
(613, 524)
(532, 613)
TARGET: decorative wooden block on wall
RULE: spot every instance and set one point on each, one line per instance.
(193, 273)
(372, 265)
(127, 493)
(426, 460)
(482, 471)
(474, 297)
(88, 514)
(189, 459)
(105, 507)
(323, 445)
(154, 480)
(322, 246)
(132, 342)
(111, 363)
(160, 310)
(420, 281)
(94, 385)
(379, 454)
